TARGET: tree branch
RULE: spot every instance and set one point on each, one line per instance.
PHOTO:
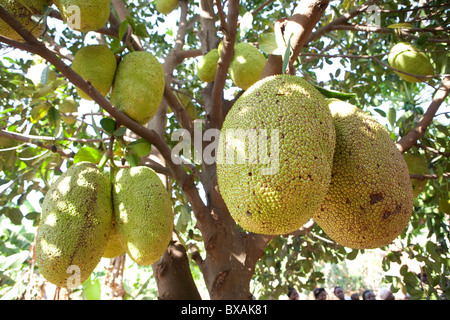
(34, 46)
(419, 130)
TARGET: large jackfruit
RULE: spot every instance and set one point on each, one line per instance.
(275, 154)
(23, 11)
(84, 16)
(76, 222)
(369, 202)
(138, 86)
(97, 64)
(143, 214)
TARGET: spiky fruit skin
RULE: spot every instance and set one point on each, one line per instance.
(369, 202)
(138, 86)
(405, 57)
(75, 225)
(246, 66)
(22, 12)
(416, 165)
(279, 195)
(114, 247)
(207, 66)
(143, 214)
(96, 64)
(166, 6)
(84, 16)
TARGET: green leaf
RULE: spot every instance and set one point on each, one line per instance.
(109, 125)
(123, 28)
(327, 93)
(352, 255)
(268, 44)
(140, 147)
(287, 55)
(88, 154)
(245, 24)
(14, 214)
(141, 30)
(120, 131)
(381, 112)
(403, 25)
(92, 289)
(392, 116)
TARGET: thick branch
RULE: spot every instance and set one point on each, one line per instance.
(419, 130)
(215, 115)
(298, 29)
(300, 25)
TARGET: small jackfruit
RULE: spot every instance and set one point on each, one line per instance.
(274, 155)
(143, 214)
(114, 247)
(405, 57)
(76, 222)
(369, 202)
(84, 16)
(138, 87)
(207, 66)
(246, 66)
(416, 165)
(23, 11)
(96, 64)
(166, 6)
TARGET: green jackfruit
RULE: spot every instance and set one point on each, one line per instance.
(166, 6)
(97, 64)
(84, 16)
(405, 57)
(369, 202)
(143, 214)
(23, 11)
(246, 66)
(207, 66)
(416, 165)
(76, 222)
(275, 154)
(114, 247)
(138, 86)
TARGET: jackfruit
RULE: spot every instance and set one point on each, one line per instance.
(207, 66)
(405, 57)
(143, 213)
(114, 247)
(166, 6)
(76, 222)
(138, 87)
(246, 66)
(96, 64)
(416, 165)
(370, 200)
(84, 16)
(23, 11)
(274, 155)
